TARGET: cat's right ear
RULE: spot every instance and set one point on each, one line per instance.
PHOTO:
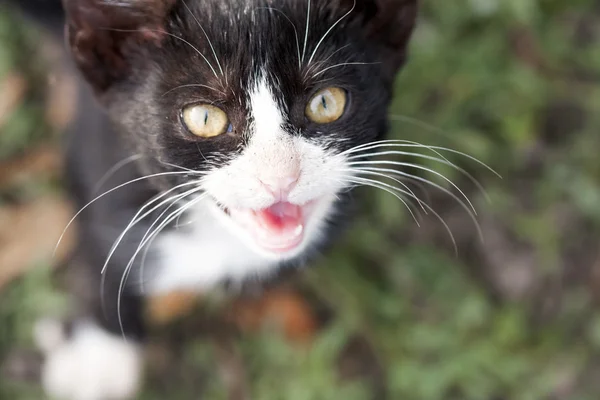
(103, 35)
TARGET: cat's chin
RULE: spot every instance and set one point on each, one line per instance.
(280, 230)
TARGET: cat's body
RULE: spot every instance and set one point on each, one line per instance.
(248, 112)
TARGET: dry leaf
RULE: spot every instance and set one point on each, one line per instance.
(171, 306)
(41, 162)
(29, 234)
(12, 90)
(286, 308)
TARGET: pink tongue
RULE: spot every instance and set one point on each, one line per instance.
(280, 218)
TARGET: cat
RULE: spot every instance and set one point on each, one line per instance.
(217, 141)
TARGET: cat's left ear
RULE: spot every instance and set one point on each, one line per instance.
(104, 34)
(389, 23)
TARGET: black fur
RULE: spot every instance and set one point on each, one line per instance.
(137, 59)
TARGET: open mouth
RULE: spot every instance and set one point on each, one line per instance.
(278, 229)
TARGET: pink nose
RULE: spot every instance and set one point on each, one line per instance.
(280, 186)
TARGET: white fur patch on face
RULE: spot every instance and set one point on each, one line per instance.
(91, 365)
(274, 154)
(275, 166)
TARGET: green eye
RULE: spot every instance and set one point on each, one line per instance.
(205, 121)
(327, 105)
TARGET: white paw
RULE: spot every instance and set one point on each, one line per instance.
(91, 365)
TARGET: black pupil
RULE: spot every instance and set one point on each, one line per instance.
(205, 117)
(324, 102)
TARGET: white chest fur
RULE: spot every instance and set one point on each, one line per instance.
(203, 252)
(213, 247)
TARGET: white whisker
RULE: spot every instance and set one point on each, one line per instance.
(441, 148)
(295, 31)
(416, 166)
(383, 172)
(114, 170)
(208, 39)
(421, 186)
(192, 85)
(149, 246)
(316, 65)
(143, 240)
(357, 179)
(442, 160)
(173, 36)
(329, 31)
(392, 143)
(405, 186)
(388, 188)
(306, 31)
(137, 218)
(342, 65)
(169, 219)
(106, 193)
(191, 171)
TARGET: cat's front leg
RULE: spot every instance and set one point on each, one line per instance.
(94, 356)
(88, 363)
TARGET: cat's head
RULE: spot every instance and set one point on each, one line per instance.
(260, 101)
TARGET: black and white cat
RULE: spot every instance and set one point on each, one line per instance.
(225, 136)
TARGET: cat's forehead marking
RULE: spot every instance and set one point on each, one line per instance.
(267, 115)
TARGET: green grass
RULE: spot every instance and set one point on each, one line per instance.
(443, 326)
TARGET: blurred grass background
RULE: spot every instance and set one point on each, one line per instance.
(392, 312)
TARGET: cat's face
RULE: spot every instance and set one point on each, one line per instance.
(260, 102)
